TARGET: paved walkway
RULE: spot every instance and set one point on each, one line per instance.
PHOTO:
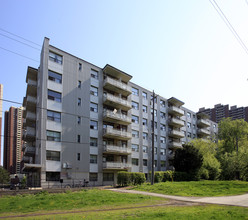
(240, 200)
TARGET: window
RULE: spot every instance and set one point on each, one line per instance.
(193, 135)
(78, 138)
(79, 102)
(53, 116)
(135, 147)
(93, 107)
(55, 57)
(52, 176)
(144, 108)
(108, 177)
(188, 124)
(79, 84)
(145, 149)
(155, 138)
(162, 151)
(135, 134)
(193, 125)
(55, 96)
(145, 163)
(155, 124)
(155, 150)
(162, 127)
(93, 91)
(162, 115)
(93, 177)
(79, 120)
(93, 125)
(189, 135)
(93, 142)
(162, 103)
(193, 116)
(145, 136)
(53, 155)
(214, 125)
(135, 91)
(188, 115)
(135, 105)
(78, 156)
(93, 158)
(144, 122)
(155, 99)
(94, 74)
(162, 140)
(162, 163)
(53, 136)
(144, 95)
(135, 119)
(155, 112)
(80, 66)
(135, 161)
(56, 77)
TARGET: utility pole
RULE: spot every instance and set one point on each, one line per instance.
(153, 109)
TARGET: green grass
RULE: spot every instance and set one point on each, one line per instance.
(173, 213)
(85, 200)
(197, 188)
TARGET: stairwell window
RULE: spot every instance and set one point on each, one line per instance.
(93, 142)
(93, 91)
(93, 159)
(56, 77)
(135, 119)
(93, 107)
(135, 161)
(53, 136)
(145, 136)
(135, 134)
(135, 105)
(145, 163)
(135, 91)
(55, 96)
(94, 74)
(53, 116)
(55, 57)
(162, 151)
(94, 125)
(53, 155)
(135, 147)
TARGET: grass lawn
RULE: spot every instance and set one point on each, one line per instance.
(81, 200)
(197, 188)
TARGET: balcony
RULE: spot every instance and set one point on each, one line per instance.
(175, 111)
(174, 145)
(116, 166)
(116, 102)
(26, 159)
(30, 103)
(117, 86)
(203, 132)
(114, 133)
(175, 122)
(203, 123)
(176, 134)
(29, 151)
(29, 134)
(112, 149)
(110, 116)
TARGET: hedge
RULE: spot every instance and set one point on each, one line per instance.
(163, 176)
(130, 178)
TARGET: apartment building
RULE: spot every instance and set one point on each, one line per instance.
(87, 123)
(222, 111)
(1, 110)
(13, 140)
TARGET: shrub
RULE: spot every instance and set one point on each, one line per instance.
(168, 175)
(130, 178)
(158, 176)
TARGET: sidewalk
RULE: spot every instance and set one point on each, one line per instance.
(240, 200)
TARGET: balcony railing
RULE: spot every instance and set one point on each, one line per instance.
(29, 150)
(117, 86)
(117, 101)
(175, 133)
(117, 149)
(30, 116)
(113, 117)
(203, 132)
(176, 122)
(174, 145)
(116, 165)
(114, 133)
(203, 123)
(176, 111)
(31, 99)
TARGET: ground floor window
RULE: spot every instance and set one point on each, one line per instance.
(108, 177)
(93, 177)
(52, 176)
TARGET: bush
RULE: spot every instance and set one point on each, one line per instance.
(168, 175)
(158, 176)
(130, 178)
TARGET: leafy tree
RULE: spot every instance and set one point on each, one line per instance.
(188, 159)
(4, 176)
(211, 166)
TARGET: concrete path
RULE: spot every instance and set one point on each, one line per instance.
(240, 200)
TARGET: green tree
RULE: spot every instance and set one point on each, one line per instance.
(4, 176)
(211, 166)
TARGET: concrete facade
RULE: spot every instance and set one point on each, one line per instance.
(89, 123)
(1, 110)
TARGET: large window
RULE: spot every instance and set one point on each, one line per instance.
(93, 107)
(52, 176)
(135, 105)
(55, 57)
(108, 177)
(94, 74)
(94, 125)
(55, 96)
(135, 91)
(53, 136)
(53, 116)
(93, 177)
(135, 134)
(93, 142)
(93, 158)
(56, 77)
(135, 119)
(93, 91)
(53, 155)
(135, 161)
(135, 147)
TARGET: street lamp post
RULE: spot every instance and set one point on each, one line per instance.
(153, 109)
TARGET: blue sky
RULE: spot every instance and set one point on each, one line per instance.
(178, 48)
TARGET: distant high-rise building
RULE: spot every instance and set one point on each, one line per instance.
(222, 111)
(13, 140)
(1, 110)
